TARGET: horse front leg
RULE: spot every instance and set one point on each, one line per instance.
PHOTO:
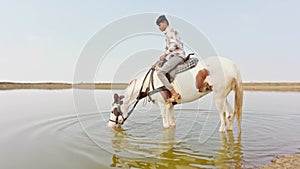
(171, 115)
(223, 121)
(163, 112)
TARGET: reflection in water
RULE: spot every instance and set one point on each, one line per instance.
(230, 153)
(119, 141)
(138, 156)
(171, 154)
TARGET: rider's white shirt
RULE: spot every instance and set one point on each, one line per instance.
(173, 43)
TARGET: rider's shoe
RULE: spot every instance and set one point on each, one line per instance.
(174, 98)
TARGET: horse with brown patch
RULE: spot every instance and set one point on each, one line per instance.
(224, 76)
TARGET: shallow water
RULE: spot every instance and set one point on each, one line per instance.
(65, 129)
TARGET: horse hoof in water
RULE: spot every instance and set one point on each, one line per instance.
(166, 126)
(173, 125)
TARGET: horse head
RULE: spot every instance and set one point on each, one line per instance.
(116, 117)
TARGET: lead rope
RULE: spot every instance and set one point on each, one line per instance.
(148, 89)
(152, 84)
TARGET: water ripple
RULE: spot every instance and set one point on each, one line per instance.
(148, 145)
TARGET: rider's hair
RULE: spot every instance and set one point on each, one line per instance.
(160, 19)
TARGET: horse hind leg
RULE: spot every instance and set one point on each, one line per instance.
(220, 104)
(229, 116)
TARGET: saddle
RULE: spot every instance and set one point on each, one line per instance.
(188, 63)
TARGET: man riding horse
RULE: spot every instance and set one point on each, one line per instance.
(226, 75)
(174, 49)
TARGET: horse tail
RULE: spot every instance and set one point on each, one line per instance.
(238, 99)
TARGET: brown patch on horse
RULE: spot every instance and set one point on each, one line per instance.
(200, 78)
(116, 112)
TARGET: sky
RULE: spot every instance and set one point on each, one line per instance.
(43, 40)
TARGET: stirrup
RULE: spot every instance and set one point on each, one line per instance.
(174, 98)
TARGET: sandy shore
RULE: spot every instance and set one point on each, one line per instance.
(286, 162)
(248, 86)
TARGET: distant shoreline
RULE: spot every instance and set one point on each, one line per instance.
(248, 86)
(61, 86)
(272, 86)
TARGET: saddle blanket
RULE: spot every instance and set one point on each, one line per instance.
(192, 62)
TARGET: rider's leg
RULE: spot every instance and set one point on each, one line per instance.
(168, 67)
(172, 74)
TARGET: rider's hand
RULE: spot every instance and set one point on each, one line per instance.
(163, 57)
(153, 66)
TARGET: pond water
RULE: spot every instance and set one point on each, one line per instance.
(68, 129)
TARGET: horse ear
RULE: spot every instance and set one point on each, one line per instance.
(116, 98)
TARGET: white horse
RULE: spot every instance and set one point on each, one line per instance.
(224, 77)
